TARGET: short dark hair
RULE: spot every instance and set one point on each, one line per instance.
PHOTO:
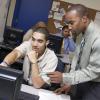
(42, 30)
(80, 9)
(64, 27)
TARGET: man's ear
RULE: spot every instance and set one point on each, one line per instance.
(47, 42)
(84, 19)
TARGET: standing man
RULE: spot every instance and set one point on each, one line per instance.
(38, 59)
(85, 66)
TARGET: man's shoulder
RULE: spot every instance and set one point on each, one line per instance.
(49, 50)
(51, 53)
(25, 44)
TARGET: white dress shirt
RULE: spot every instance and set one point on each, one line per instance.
(47, 62)
(89, 61)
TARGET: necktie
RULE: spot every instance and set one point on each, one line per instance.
(80, 53)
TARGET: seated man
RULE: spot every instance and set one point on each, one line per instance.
(38, 59)
(68, 42)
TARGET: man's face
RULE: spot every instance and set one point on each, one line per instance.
(75, 22)
(39, 42)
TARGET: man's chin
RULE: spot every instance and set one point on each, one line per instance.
(36, 51)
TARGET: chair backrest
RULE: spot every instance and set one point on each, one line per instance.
(54, 86)
(55, 43)
(60, 66)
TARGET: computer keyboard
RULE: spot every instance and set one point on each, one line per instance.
(27, 96)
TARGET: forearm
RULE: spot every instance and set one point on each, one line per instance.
(37, 81)
(11, 57)
(79, 76)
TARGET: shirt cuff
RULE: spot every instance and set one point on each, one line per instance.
(67, 79)
(4, 64)
(45, 78)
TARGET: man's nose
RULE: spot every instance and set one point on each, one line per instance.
(69, 27)
(35, 43)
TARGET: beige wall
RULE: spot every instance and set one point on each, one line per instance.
(10, 13)
(95, 4)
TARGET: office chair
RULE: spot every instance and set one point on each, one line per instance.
(60, 68)
(54, 86)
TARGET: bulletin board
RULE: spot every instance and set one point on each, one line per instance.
(55, 17)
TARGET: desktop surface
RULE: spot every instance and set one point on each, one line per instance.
(44, 94)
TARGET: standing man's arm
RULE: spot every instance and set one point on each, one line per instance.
(91, 72)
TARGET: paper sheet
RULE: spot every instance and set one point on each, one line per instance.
(29, 89)
(58, 25)
(49, 95)
(55, 6)
(57, 16)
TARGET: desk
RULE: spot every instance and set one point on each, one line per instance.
(44, 94)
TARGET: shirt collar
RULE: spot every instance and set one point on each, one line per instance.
(43, 55)
(89, 30)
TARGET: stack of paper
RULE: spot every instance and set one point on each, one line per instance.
(49, 95)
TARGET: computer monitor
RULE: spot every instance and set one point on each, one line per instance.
(55, 43)
(13, 36)
(10, 83)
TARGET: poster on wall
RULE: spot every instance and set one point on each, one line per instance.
(55, 6)
(4, 6)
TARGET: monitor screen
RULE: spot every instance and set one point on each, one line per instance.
(13, 36)
(55, 43)
(10, 83)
